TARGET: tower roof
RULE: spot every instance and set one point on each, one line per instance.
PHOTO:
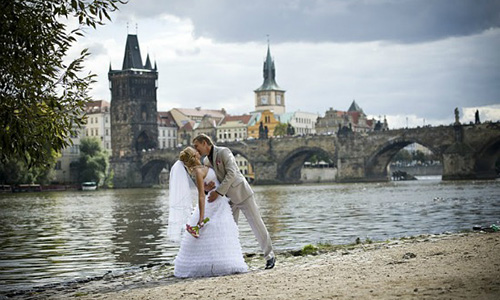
(147, 65)
(269, 74)
(354, 107)
(132, 58)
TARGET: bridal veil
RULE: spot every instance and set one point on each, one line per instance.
(182, 191)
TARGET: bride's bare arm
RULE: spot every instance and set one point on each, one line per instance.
(199, 175)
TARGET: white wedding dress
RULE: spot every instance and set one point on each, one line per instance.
(218, 250)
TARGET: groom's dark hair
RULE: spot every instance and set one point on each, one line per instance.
(203, 138)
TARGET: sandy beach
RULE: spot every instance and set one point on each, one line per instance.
(448, 266)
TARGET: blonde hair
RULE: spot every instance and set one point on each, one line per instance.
(188, 157)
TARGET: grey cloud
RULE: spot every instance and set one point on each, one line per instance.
(406, 21)
(97, 49)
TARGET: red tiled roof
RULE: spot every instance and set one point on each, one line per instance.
(189, 126)
(165, 118)
(245, 119)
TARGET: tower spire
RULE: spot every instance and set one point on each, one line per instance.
(269, 73)
(132, 58)
(147, 65)
(269, 96)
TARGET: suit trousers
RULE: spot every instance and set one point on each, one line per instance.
(252, 214)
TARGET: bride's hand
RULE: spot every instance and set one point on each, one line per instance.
(209, 186)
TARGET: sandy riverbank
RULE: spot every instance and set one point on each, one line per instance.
(455, 266)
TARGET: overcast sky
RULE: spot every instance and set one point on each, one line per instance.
(412, 60)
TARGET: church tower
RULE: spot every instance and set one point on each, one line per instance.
(269, 96)
(134, 125)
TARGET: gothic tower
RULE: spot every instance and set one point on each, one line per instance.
(134, 125)
(269, 96)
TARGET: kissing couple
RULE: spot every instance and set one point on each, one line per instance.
(222, 192)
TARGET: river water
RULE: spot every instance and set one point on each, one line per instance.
(46, 238)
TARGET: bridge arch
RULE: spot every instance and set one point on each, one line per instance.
(289, 169)
(377, 163)
(150, 171)
(484, 166)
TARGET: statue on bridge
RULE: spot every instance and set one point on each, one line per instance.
(290, 130)
(263, 131)
(477, 121)
(457, 116)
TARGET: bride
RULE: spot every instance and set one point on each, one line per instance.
(217, 250)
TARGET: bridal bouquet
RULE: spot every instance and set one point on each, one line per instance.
(195, 230)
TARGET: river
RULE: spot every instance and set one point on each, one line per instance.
(52, 237)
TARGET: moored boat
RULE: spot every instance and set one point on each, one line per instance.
(89, 186)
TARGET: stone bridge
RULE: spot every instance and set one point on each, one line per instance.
(466, 152)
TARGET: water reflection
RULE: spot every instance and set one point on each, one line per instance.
(137, 222)
(54, 237)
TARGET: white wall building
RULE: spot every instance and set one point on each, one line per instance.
(302, 122)
(99, 122)
(167, 131)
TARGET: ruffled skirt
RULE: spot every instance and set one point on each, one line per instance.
(217, 251)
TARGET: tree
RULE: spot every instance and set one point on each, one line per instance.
(42, 97)
(17, 172)
(93, 162)
(419, 156)
(280, 129)
(403, 156)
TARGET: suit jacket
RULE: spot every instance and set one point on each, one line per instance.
(232, 183)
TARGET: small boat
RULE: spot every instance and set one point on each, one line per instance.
(5, 188)
(27, 188)
(89, 186)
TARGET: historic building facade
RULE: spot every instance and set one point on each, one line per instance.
(303, 123)
(99, 122)
(352, 120)
(167, 130)
(193, 121)
(233, 128)
(262, 124)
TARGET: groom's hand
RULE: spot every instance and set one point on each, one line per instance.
(212, 196)
(209, 186)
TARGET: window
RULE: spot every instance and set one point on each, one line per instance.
(278, 99)
(263, 100)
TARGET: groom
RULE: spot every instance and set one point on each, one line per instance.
(236, 188)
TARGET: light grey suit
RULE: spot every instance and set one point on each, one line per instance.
(236, 188)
